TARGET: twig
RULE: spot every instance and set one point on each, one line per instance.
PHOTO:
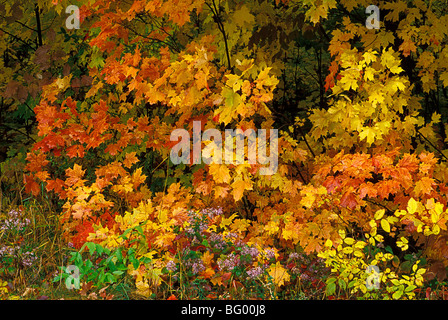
(39, 28)
(431, 144)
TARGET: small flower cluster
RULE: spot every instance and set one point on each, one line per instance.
(12, 256)
(171, 266)
(251, 251)
(14, 221)
(217, 240)
(255, 272)
(212, 212)
(200, 220)
(229, 263)
(8, 251)
(191, 262)
(26, 258)
(197, 266)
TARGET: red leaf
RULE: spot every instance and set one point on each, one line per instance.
(348, 200)
(31, 186)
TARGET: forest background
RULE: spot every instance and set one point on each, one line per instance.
(92, 207)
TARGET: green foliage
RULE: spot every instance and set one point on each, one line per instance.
(100, 265)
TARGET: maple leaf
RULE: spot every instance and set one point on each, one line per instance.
(31, 186)
(220, 172)
(36, 161)
(42, 175)
(444, 78)
(349, 200)
(75, 151)
(424, 186)
(220, 191)
(138, 178)
(207, 258)
(130, 159)
(56, 185)
(368, 134)
(74, 175)
(407, 47)
(238, 188)
(279, 274)
(243, 16)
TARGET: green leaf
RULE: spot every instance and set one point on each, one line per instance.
(389, 249)
(111, 266)
(88, 264)
(118, 254)
(125, 233)
(135, 262)
(110, 278)
(397, 294)
(101, 276)
(205, 243)
(118, 272)
(342, 284)
(331, 280)
(99, 249)
(410, 288)
(331, 288)
(91, 246)
(140, 230)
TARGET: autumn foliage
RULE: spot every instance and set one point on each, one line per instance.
(362, 171)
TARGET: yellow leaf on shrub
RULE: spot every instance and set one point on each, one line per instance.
(349, 241)
(379, 214)
(347, 250)
(385, 225)
(412, 206)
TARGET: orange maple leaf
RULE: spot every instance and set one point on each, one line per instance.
(130, 159)
(74, 175)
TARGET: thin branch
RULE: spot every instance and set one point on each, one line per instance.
(431, 144)
(306, 141)
(149, 38)
(21, 23)
(17, 130)
(222, 30)
(17, 38)
(39, 27)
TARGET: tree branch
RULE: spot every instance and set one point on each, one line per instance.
(222, 30)
(39, 27)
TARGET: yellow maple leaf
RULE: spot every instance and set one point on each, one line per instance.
(390, 61)
(279, 274)
(368, 133)
(220, 172)
(238, 187)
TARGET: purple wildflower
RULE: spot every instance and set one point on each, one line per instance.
(254, 272)
(230, 262)
(171, 266)
(270, 254)
(198, 267)
(252, 251)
